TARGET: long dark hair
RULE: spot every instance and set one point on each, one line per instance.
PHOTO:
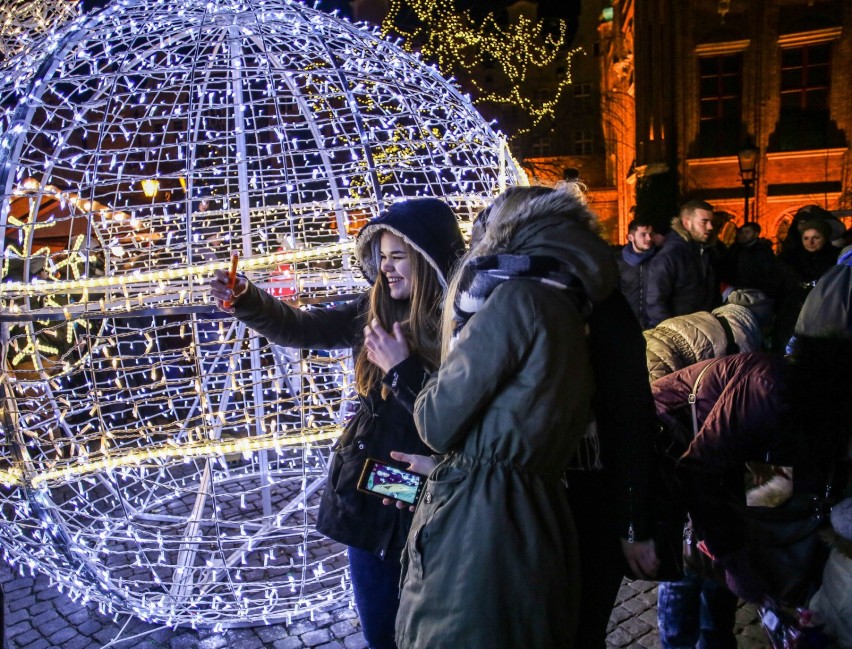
(419, 316)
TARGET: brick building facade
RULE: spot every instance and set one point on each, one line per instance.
(709, 76)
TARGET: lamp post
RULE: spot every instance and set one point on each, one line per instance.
(747, 159)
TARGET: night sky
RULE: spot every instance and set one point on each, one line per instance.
(567, 9)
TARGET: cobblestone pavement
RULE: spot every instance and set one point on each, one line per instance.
(39, 616)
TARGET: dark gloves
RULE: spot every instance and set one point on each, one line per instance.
(742, 580)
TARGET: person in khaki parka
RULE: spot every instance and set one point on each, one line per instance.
(491, 557)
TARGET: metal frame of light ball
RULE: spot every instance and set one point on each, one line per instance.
(158, 457)
(23, 22)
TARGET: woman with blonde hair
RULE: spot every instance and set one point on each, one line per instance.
(491, 557)
(406, 254)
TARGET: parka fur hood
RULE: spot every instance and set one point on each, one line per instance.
(677, 227)
(555, 223)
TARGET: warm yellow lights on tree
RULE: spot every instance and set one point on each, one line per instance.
(526, 64)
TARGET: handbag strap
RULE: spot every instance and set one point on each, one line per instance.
(731, 347)
(694, 395)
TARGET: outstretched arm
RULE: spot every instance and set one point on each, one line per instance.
(334, 327)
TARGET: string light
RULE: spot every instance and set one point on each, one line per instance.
(520, 55)
(23, 21)
(158, 457)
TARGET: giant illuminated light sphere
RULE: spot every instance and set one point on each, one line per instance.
(157, 457)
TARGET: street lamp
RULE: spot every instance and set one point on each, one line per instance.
(747, 158)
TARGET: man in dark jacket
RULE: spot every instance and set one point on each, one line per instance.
(681, 278)
(751, 263)
(632, 263)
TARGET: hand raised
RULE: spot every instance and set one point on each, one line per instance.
(384, 349)
(219, 290)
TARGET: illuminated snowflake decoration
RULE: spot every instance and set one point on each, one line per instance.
(157, 457)
(24, 21)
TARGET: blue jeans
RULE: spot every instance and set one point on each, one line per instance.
(696, 612)
(375, 583)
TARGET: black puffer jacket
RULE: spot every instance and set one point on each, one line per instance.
(633, 281)
(753, 266)
(681, 278)
(380, 425)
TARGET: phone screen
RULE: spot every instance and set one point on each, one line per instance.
(389, 481)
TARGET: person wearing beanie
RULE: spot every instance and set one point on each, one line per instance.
(800, 268)
(406, 254)
(832, 603)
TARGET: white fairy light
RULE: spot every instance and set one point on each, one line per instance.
(157, 457)
(22, 22)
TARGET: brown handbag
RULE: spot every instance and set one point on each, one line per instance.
(783, 545)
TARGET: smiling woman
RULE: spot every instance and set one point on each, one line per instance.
(160, 458)
(407, 252)
(396, 266)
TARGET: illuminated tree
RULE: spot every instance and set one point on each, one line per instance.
(524, 65)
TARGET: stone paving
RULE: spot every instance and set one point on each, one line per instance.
(39, 616)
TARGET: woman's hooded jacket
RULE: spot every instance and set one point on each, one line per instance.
(380, 425)
(490, 560)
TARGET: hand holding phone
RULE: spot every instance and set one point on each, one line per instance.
(232, 277)
(387, 481)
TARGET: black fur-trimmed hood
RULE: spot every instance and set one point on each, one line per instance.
(426, 224)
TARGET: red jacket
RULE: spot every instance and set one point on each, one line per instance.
(739, 410)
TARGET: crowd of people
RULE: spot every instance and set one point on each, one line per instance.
(528, 379)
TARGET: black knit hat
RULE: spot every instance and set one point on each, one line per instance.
(426, 224)
(820, 225)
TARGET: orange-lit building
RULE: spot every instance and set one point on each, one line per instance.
(703, 79)
(580, 144)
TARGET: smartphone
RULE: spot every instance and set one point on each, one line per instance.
(232, 276)
(388, 481)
